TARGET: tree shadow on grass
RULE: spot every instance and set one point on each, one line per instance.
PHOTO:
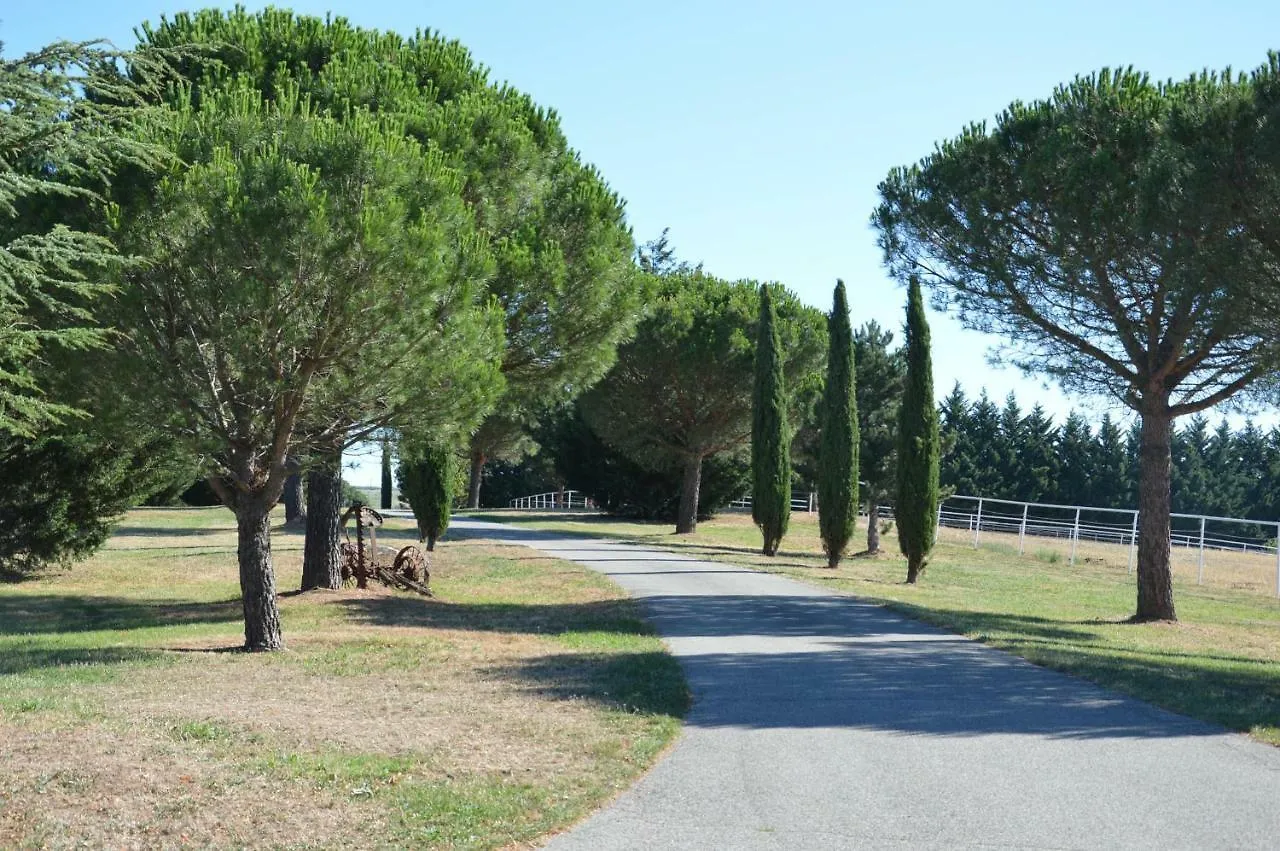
(24, 658)
(22, 614)
(523, 618)
(648, 682)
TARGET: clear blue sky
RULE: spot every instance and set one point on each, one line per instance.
(758, 131)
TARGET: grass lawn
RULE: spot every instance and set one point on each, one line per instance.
(526, 694)
(1218, 663)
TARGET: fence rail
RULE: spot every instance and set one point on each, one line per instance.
(1076, 523)
(567, 500)
(807, 502)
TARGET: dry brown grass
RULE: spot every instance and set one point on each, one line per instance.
(476, 719)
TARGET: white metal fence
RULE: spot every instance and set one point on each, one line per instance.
(1236, 545)
(807, 502)
(568, 500)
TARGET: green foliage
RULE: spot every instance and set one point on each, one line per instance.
(770, 434)
(352, 244)
(916, 507)
(1084, 257)
(838, 450)
(681, 390)
(880, 373)
(426, 476)
(1120, 236)
(624, 488)
(58, 150)
(62, 492)
(562, 277)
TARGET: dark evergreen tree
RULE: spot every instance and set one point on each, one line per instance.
(387, 485)
(1222, 459)
(1006, 452)
(1112, 471)
(918, 448)
(1036, 457)
(838, 450)
(770, 434)
(426, 477)
(1076, 454)
(958, 467)
(987, 443)
(880, 376)
(1255, 475)
(1192, 479)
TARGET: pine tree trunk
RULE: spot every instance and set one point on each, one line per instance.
(687, 514)
(1155, 580)
(295, 510)
(257, 579)
(321, 556)
(873, 527)
(477, 468)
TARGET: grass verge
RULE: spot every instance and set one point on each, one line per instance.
(525, 695)
(1219, 663)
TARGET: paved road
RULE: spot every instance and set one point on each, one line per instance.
(822, 722)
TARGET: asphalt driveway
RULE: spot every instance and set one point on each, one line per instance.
(823, 722)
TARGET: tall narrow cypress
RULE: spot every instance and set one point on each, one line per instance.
(385, 502)
(426, 479)
(770, 437)
(838, 446)
(918, 448)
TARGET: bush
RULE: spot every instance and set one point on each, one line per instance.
(62, 493)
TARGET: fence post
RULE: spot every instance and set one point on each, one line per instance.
(977, 525)
(1133, 540)
(811, 506)
(1200, 573)
(1075, 536)
(1278, 559)
(937, 528)
(1022, 530)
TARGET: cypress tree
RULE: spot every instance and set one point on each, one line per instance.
(385, 502)
(770, 440)
(426, 480)
(917, 505)
(838, 447)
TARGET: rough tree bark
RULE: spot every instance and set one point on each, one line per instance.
(915, 564)
(321, 562)
(873, 527)
(687, 513)
(1155, 584)
(295, 510)
(477, 468)
(257, 579)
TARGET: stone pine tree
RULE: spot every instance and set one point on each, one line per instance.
(427, 481)
(770, 438)
(838, 446)
(918, 445)
(1117, 234)
(282, 245)
(681, 391)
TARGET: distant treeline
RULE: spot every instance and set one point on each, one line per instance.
(1000, 451)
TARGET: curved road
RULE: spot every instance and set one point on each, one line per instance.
(820, 721)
